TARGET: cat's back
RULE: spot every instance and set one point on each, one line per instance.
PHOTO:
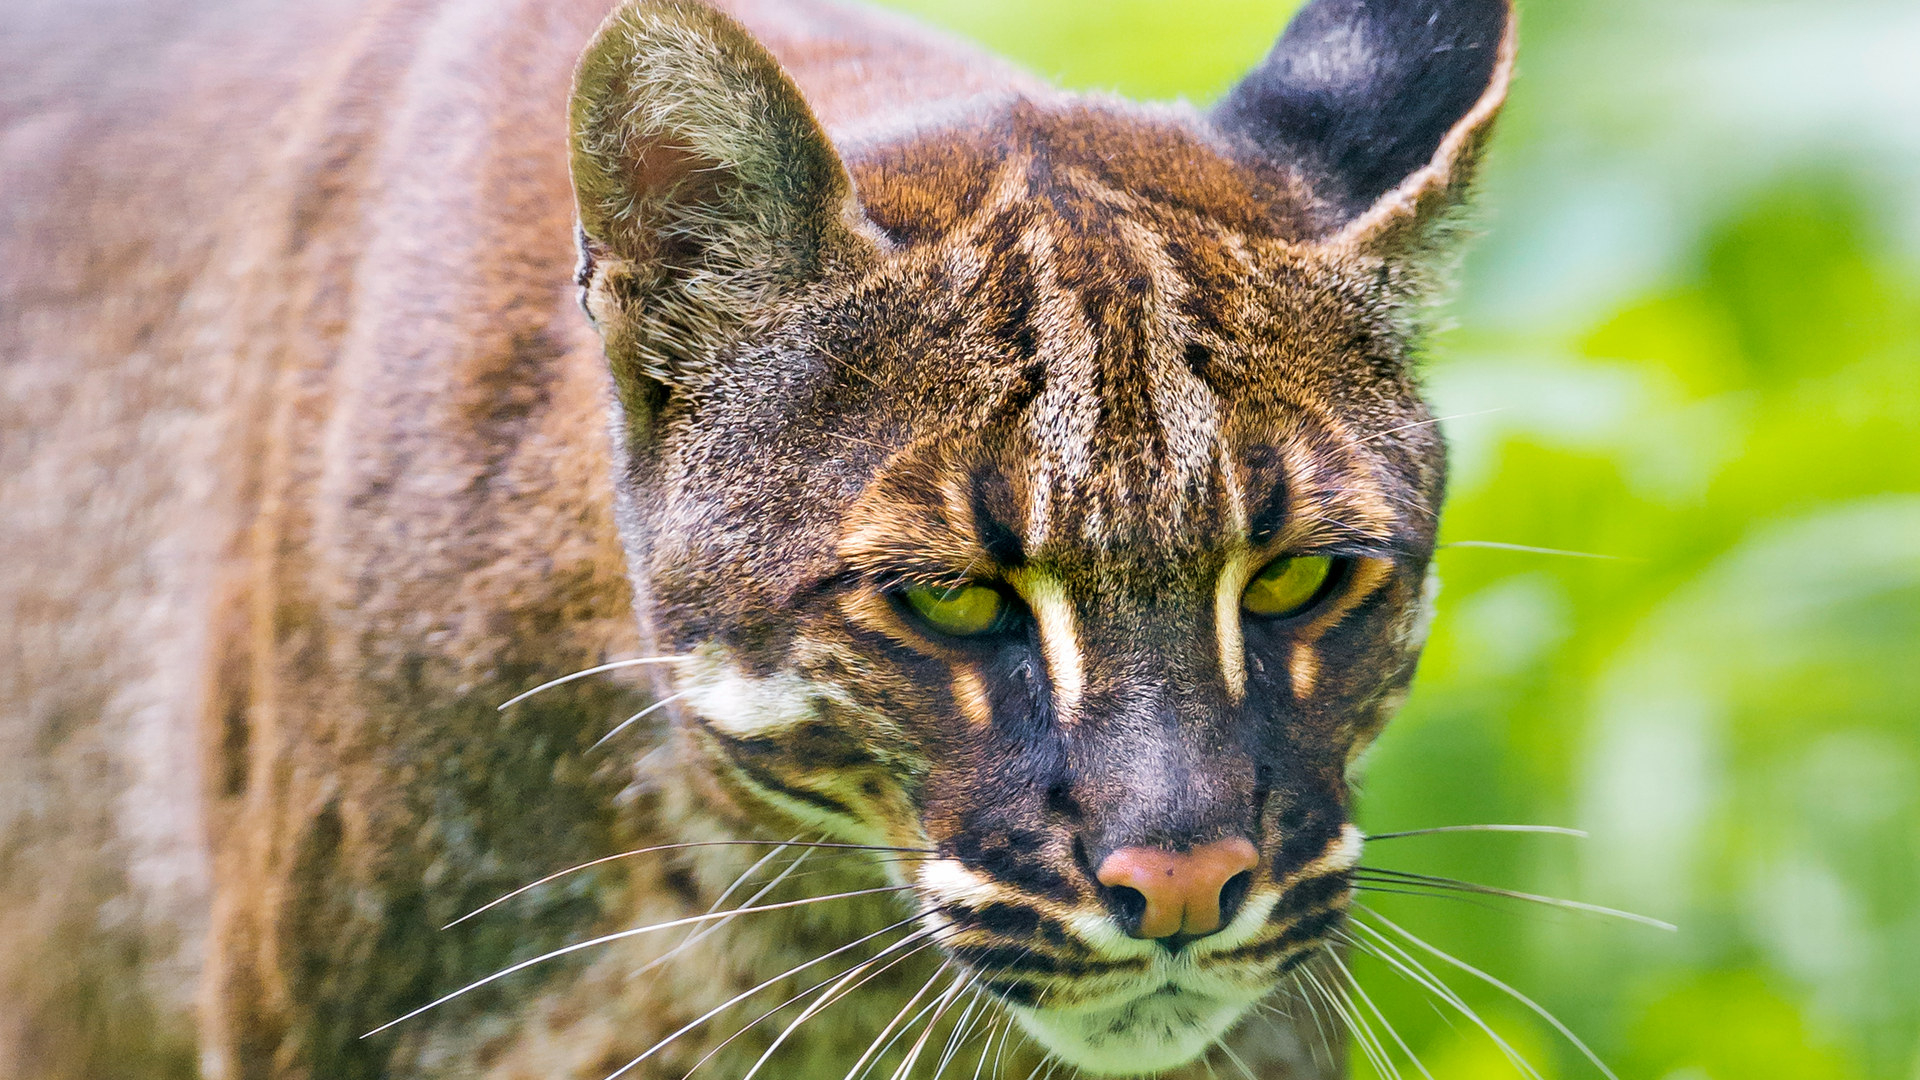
(289, 359)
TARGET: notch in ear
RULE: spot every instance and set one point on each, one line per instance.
(1383, 105)
(706, 191)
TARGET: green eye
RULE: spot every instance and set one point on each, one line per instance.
(960, 611)
(1288, 585)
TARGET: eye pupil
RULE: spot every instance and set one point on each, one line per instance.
(965, 610)
(1288, 585)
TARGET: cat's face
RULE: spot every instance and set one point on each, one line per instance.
(1065, 517)
(1093, 517)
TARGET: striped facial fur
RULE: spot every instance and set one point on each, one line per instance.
(1042, 481)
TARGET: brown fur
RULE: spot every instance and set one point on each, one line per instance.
(306, 455)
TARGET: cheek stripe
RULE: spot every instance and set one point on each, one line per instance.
(1304, 668)
(970, 693)
(1059, 639)
(1228, 632)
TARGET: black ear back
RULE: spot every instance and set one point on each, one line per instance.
(1362, 95)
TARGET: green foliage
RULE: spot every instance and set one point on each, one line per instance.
(1701, 332)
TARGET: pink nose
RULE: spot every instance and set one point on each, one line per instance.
(1182, 891)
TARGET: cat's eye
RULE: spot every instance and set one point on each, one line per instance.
(1288, 585)
(966, 610)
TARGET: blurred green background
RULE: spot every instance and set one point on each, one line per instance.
(1696, 310)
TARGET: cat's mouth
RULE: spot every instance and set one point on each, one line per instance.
(1110, 1003)
(1162, 1028)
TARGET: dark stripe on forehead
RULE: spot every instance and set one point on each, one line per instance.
(1265, 483)
(997, 515)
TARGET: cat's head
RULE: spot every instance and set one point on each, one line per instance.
(1045, 486)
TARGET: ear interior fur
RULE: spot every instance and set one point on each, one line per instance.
(1384, 106)
(705, 187)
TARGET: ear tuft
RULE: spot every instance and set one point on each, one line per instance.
(1384, 105)
(706, 189)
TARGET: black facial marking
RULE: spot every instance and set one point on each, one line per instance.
(1308, 825)
(1313, 927)
(1266, 476)
(1316, 892)
(1009, 919)
(993, 506)
(745, 757)
(1013, 859)
(1015, 993)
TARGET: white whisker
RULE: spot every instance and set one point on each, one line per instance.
(1516, 995)
(1495, 545)
(603, 939)
(1551, 830)
(834, 994)
(1425, 423)
(628, 722)
(961, 1029)
(701, 933)
(1406, 878)
(1418, 974)
(1360, 1034)
(615, 665)
(745, 994)
(996, 1028)
(1363, 1028)
(1361, 991)
(817, 1005)
(636, 852)
(874, 1047)
(1313, 1010)
(960, 983)
(1233, 1057)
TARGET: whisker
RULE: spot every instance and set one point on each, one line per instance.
(812, 1008)
(745, 994)
(962, 1028)
(1000, 1056)
(1516, 995)
(1319, 1018)
(628, 722)
(1364, 1028)
(636, 852)
(1551, 830)
(1382, 1017)
(997, 1028)
(1361, 1034)
(919, 1045)
(690, 920)
(1231, 1056)
(926, 938)
(754, 869)
(1430, 894)
(1495, 545)
(699, 934)
(1420, 976)
(615, 665)
(1427, 423)
(1404, 877)
(874, 1047)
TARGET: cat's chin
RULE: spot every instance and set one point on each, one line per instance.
(1142, 1036)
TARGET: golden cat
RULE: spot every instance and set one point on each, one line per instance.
(1026, 497)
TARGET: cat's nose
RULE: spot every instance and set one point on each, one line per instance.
(1182, 892)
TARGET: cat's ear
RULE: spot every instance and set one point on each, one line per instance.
(707, 192)
(1384, 106)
